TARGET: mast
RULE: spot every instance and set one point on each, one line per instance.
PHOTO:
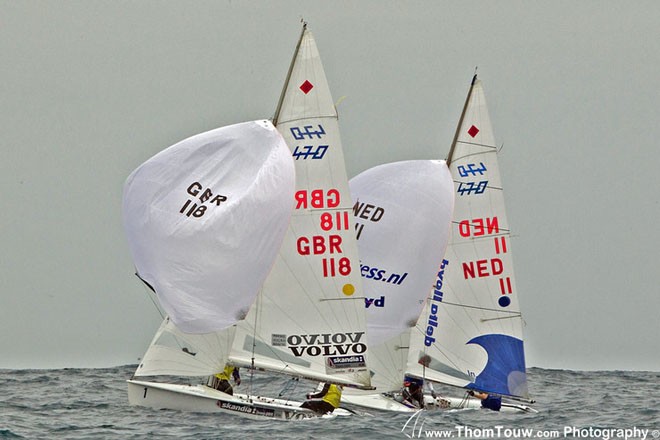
(450, 156)
(288, 75)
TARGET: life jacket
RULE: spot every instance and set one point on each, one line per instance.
(226, 374)
(333, 396)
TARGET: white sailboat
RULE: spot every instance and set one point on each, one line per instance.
(403, 214)
(469, 334)
(308, 320)
(205, 220)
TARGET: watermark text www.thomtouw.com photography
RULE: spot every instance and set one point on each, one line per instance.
(415, 428)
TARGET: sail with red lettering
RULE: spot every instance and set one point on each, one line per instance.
(470, 331)
(309, 319)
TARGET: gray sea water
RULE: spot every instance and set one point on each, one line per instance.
(92, 404)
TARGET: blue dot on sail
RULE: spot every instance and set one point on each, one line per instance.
(504, 301)
(505, 370)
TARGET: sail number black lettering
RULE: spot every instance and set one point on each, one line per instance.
(203, 198)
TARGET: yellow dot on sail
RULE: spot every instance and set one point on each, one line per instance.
(348, 289)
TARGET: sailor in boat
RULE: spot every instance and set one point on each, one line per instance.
(220, 381)
(487, 401)
(325, 401)
(412, 392)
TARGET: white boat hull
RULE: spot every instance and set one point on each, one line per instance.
(388, 403)
(376, 401)
(201, 398)
(448, 403)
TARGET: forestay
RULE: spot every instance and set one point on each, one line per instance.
(470, 332)
(309, 319)
(205, 219)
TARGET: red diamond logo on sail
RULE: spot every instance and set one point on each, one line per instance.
(306, 87)
(473, 131)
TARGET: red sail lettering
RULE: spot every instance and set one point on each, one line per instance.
(482, 268)
(333, 198)
(303, 246)
(317, 198)
(478, 227)
(464, 228)
(478, 224)
(318, 245)
(492, 225)
(496, 266)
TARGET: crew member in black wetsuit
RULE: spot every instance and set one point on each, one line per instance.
(412, 391)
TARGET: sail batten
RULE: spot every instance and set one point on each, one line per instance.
(492, 147)
(467, 306)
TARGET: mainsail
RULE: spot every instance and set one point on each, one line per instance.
(403, 213)
(205, 219)
(470, 332)
(309, 319)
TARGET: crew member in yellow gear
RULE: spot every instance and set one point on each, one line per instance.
(220, 381)
(325, 401)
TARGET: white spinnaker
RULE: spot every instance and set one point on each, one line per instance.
(403, 212)
(470, 332)
(309, 319)
(205, 219)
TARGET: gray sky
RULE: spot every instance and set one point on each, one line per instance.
(91, 89)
